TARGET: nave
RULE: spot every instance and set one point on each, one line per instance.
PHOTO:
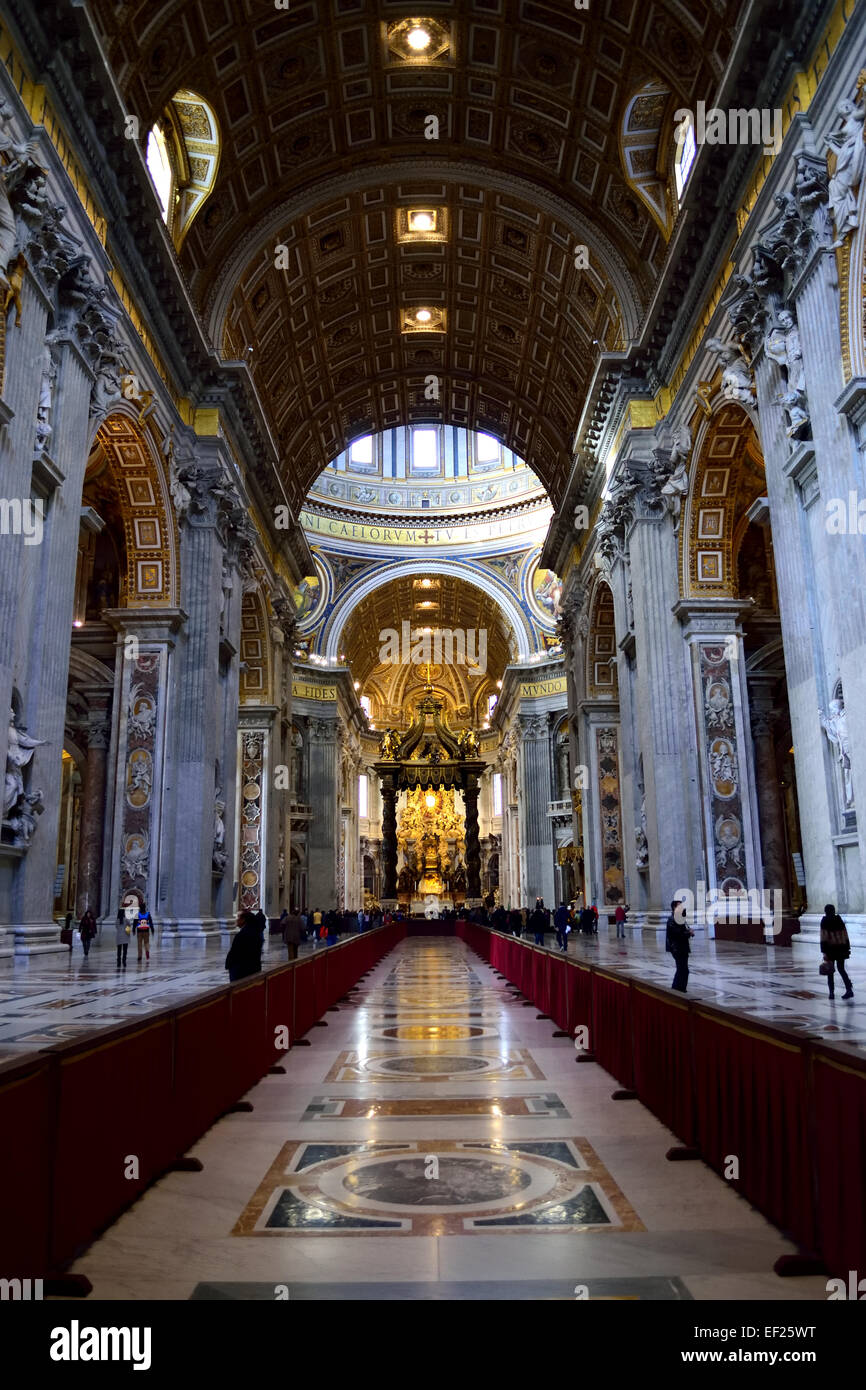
(438, 1142)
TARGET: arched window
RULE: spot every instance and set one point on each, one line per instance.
(160, 170)
(686, 155)
(182, 156)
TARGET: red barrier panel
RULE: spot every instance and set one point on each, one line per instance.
(305, 996)
(250, 1055)
(202, 1070)
(320, 978)
(750, 1092)
(558, 993)
(611, 1038)
(840, 1142)
(663, 1075)
(579, 986)
(27, 1114)
(280, 1011)
(536, 979)
(114, 1132)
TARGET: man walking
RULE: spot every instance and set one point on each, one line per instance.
(292, 928)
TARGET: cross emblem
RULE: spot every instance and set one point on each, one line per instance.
(428, 536)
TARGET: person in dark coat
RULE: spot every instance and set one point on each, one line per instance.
(560, 922)
(245, 953)
(332, 922)
(87, 930)
(292, 929)
(677, 939)
(835, 948)
(537, 924)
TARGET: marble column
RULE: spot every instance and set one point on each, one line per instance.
(254, 809)
(840, 561)
(323, 843)
(805, 608)
(92, 834)
(389, 840)
(139, 830)
(199, 742)
(713, 632)
(473, 848)
(45, 582)
(663, 716)
(534, 796)
(772, 827)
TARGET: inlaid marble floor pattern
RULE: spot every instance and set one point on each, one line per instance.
(436, 1141)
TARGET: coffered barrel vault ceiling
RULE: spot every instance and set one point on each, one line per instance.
(323, 143)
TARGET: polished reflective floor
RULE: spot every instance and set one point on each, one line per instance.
(437, 1140)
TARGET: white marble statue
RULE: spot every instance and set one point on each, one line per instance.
(736, 377)
(641, 855)
(46, 397)
(220, 858)
(847, 143)
(19, 751)
(782, 344)
(835, 726)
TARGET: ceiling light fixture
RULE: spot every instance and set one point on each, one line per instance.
(422, 221)
(418, 39)
(423, 315)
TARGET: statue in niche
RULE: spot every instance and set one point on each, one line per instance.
(847, 143)
(835, 726)
(22, 821)
(220, 858)
(19, 751)
(782, 344)
(46, 396)
(641, 849)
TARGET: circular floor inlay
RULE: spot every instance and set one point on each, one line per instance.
(460, 1182)
(425, 1065)
(418, 1033)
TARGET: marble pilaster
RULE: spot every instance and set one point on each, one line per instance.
(324, 833)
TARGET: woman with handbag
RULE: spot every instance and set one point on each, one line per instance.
(835, 948)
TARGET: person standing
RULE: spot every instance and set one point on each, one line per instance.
(144, 930)
(560, 922)
(537, 923)
(122, 933)
(317, 927)
(619, 918)
(677, 938)
(292, 929)
(245, 953)
(87, 930)
(835, 948)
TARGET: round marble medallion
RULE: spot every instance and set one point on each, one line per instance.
(460, 1182)
(437, 1065)
(416, 1032)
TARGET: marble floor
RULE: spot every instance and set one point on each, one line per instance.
(436, 1141)
(49, 999)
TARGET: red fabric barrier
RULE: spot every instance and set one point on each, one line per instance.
(611, 1039)
(111, 1113)
(280, 1007)
(579, 986)
(27, 1111)
(751, 1104)
(839, 1089)
(320, 980)
(305, 996)
(250, 1055)
(663, 1059)
(536, 979)
(202, 1068)
(558, 993)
